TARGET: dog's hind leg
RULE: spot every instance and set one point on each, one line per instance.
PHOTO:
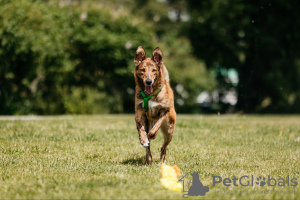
(167, 128)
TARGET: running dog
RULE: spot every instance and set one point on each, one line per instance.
(154, 101)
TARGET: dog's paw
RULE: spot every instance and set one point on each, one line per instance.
(152, 135)
(145, 141)
(145, 144)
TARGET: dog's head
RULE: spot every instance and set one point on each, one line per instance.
(148, 69)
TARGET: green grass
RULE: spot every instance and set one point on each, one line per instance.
(100, 157)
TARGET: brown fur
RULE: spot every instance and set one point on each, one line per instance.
(161, 112)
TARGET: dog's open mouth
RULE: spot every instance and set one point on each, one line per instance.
(148, 89)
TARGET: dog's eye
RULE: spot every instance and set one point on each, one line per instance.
(143, 70)
(154, 70)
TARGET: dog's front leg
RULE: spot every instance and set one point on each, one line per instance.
(142, 127)
(140, 120)
(153, 132)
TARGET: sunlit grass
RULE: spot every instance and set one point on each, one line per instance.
(100, 157)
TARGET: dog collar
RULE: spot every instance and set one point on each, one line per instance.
(146, 98)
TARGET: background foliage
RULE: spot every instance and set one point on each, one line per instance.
(72, 56)
(258, 38)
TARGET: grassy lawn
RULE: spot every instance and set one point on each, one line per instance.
(100, 157)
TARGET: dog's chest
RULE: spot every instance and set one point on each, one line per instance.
(153, 108)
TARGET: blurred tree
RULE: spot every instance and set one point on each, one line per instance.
(258, 38)
(105, 47)
(54, 55)
(164, 16)
(33, 60)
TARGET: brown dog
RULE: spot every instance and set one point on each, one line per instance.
(154, 101)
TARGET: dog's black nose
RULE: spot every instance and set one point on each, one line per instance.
(148, 82)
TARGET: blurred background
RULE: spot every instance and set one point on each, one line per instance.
(76, 56)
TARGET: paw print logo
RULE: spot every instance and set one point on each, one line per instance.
(261, 181)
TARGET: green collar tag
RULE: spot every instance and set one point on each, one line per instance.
(146, 98)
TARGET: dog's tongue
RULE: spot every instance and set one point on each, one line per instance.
(149, 89)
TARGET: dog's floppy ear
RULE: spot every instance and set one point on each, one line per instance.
(140, 55)
(157, 56)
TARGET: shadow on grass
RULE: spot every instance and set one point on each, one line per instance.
(135, 161)
(139, 161)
